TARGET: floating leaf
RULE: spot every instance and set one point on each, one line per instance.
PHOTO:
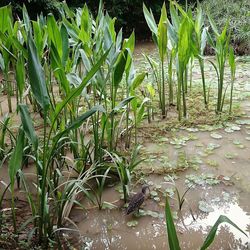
(212, 163)
(157, 199)
(229, 130)
(152, 214)
(153, 193)
(192, 130)
(216, 136)
(231, 155)
(236, 128)
(236, 142)
(132, 223)
(243, 122)
(212, 146)
(205, 207)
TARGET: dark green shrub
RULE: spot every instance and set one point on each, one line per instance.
(34, 7)
(129, 13)
(238, 14)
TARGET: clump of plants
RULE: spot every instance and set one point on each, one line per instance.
(180, 39)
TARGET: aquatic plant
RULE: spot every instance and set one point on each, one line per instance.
(173, 240)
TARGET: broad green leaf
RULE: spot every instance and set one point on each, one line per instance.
(174, 17)
(58, 68)
(150, 19)
(212, 233)
(28, 125)
(86, 20)
(38, 39)
(232, 61)
(119, 68)
(140, 114)
(36, 75)
(16, 159)
(130, 42)
(54, 34)
(26, 18)
(65, 44)
(5, 19)
(184, 42)
(20, 74)
(137, 80)
(86, 61)
(122, 104)
(151, 90)
(172, 235)
(213, 25)
(162, 33)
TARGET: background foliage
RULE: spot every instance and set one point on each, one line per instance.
(238, 15)
(130, 16)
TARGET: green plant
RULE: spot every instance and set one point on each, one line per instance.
(125, 167)
(173, 240)
(160, 38)
(44, 160)
(221, 54)
(98, 189)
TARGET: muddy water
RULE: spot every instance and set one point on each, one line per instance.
(216, 160)
(108, 229)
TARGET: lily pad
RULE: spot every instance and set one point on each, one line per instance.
(231, 155)
(157, 199)
(216, 136)
(170, 178)
(236, 128)
(212, 146)
(237, 142)
(243, 122)
(212, 163)
(205, 207)
(132, 223)
(192, 130)
(153, 214)
(153, 193)
(229, 130)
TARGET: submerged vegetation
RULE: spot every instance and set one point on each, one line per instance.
(78, 102)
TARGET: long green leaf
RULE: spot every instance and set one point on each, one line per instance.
(150, 20)
(122, 104)
(172, 235)
(36, 75)
(15, 162)
(119, 68)
(232, 61)
(5, 18)
(54, 34)
(212, 233)
(20, 74)
(162, 33)
(65, 44)
(79, 120)
(28, 125)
